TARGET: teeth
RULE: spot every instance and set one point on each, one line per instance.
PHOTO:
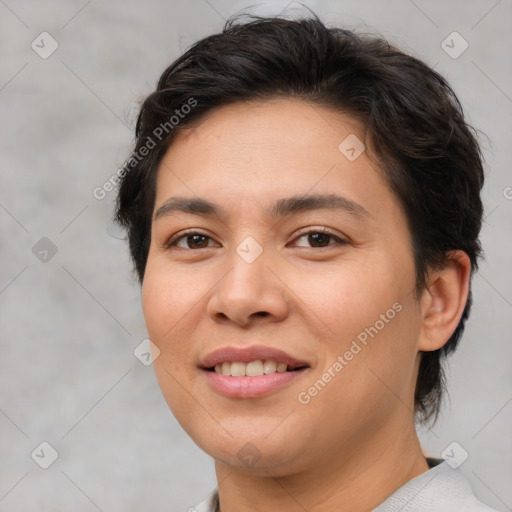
(269, 367)
(238, 369)
(281, 367)
(252, 369)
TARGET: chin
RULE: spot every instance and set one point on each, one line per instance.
(250, 449)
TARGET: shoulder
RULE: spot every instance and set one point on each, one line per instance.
(441, 489)
(210, 504)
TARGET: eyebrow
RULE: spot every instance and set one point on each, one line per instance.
(281, 208)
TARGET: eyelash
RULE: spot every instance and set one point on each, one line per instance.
(324, 231)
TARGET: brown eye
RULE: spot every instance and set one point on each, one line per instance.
(195, 241)
(191, 240)
(320, 238)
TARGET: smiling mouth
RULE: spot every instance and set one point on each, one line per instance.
(255, 368)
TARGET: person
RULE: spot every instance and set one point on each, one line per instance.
(302, 206)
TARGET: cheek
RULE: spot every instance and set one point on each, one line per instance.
(368, 373)
(350, 295)
(165, 304)
(167, 297)
(373, 325)
(155, 305)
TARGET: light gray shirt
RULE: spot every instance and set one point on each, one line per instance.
(440, 489)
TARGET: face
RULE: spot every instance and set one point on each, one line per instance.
(323, 282)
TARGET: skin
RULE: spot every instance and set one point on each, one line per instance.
(355, 442)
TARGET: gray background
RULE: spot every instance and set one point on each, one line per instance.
(69, 325)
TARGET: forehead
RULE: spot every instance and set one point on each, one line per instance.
(265, 151)
(279, 123)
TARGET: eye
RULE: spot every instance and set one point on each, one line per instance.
(320, 238)
(317, 237)
(189, 240)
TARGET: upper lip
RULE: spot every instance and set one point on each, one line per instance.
(247, 354)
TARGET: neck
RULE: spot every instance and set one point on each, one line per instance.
(355, 478)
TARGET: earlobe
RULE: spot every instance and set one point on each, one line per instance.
(443, 301)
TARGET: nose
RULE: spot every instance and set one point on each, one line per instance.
(250, 292)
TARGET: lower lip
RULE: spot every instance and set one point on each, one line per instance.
(251, 387)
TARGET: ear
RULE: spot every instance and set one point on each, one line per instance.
(443, 301)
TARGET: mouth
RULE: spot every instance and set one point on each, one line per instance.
(254, 368)
(251, 361)
(251, 372)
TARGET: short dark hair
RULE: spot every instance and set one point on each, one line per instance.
(412, 120)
